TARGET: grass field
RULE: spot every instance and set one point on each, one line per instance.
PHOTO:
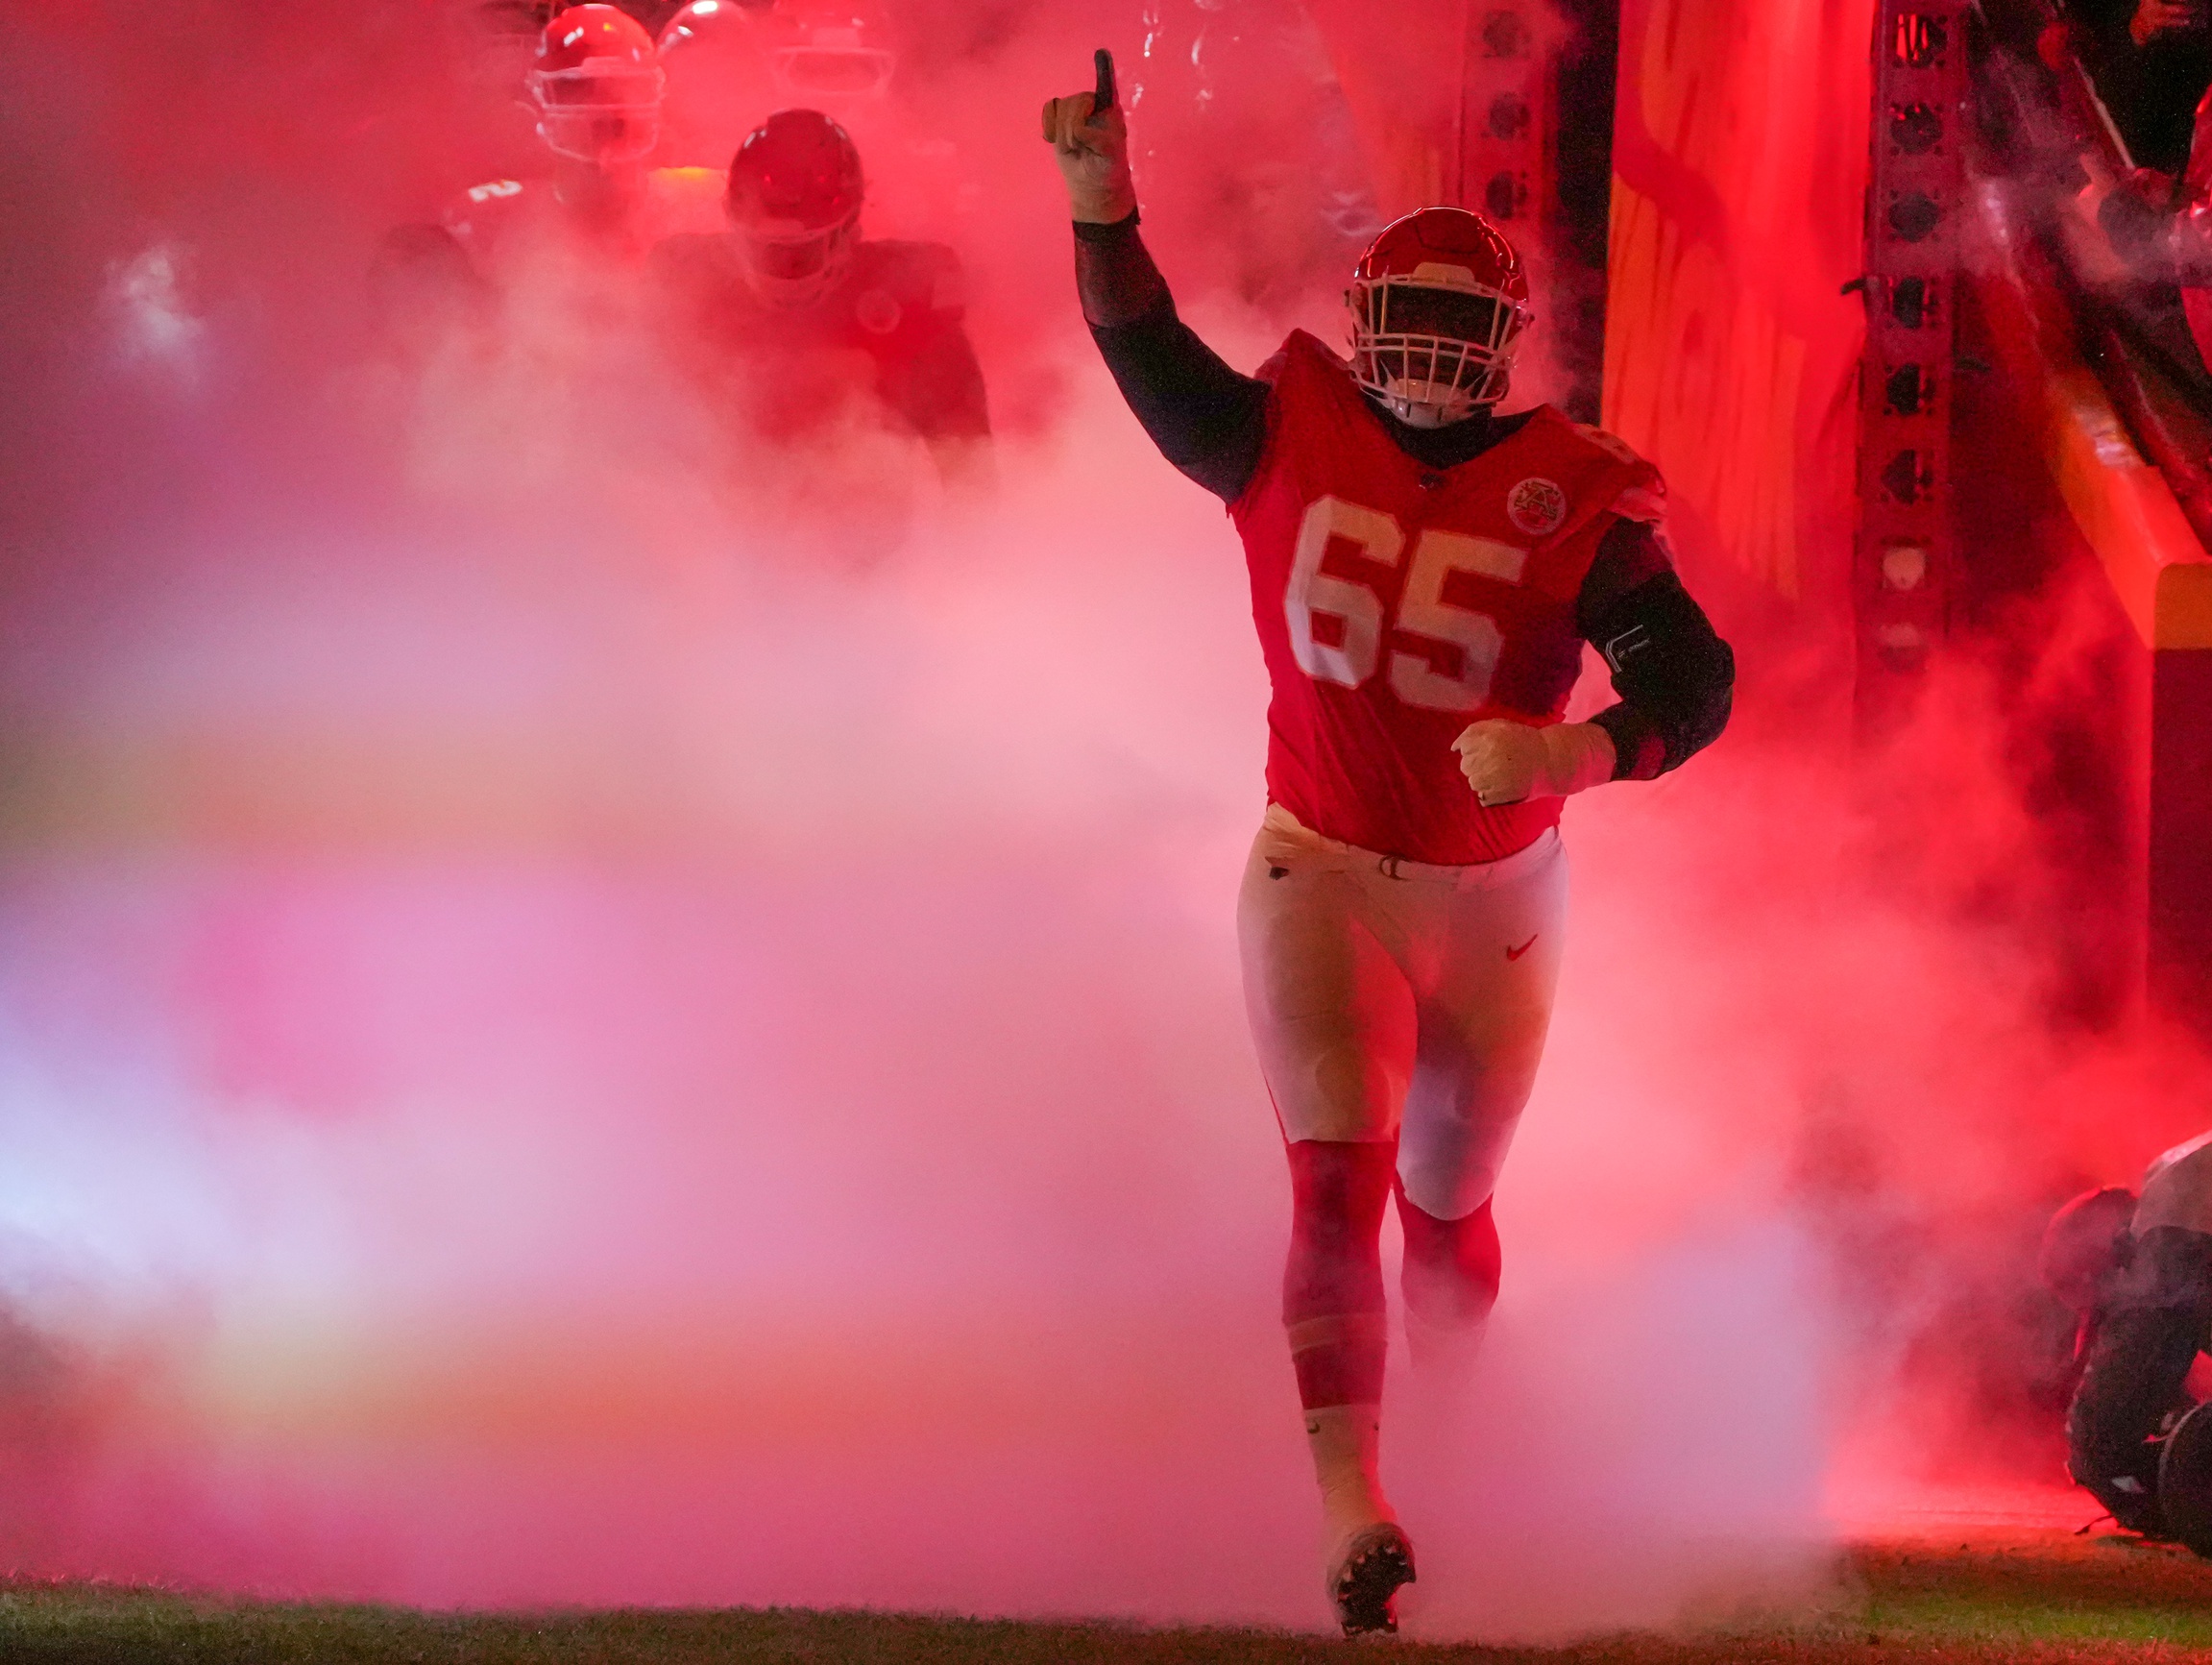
(2040, 1597)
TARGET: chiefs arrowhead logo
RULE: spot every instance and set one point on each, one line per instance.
(1537, 506)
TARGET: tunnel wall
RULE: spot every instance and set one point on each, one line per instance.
(1740, 170)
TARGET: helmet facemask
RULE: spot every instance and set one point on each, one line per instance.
(793, 199)
(1433, 346)
(791, 264)
(602, 111)
(831, 68)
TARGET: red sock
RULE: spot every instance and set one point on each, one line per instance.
(1451, 1268)
(1332, 1297)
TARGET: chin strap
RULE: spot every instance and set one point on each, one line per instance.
(1404, 412)
(1417, 414)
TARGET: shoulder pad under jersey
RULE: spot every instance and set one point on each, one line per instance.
(1299, 343)
(1645, 499)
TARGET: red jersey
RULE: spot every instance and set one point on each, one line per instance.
(888, 338)
(1397, 603)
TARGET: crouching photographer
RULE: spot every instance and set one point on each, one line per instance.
(2138, 1269)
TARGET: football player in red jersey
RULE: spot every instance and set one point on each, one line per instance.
(718, 58)
(807, 325)
(596, 81)
(1424, 573)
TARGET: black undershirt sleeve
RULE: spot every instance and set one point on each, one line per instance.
(420, 271)
(1206, 419)
(1675, 676)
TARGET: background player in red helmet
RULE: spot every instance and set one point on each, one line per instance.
(833, 50)
(795, 197)
(719, 59)
(594, 82)
(1425, 573)
(731, 65)
(807, 325)
(732, 61)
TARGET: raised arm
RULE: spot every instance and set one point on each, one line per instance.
(1206, 419)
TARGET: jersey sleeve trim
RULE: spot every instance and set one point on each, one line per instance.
(1641, 503)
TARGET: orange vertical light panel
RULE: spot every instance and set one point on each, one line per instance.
(1905, 569)
(1730, 355)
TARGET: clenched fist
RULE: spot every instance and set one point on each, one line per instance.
(1093, 156)
(1507, 762)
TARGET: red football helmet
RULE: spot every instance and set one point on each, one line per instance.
(794, 198)
(1437, 303)
(833, 49)
(703, 26)
(598, 85)
(721, 78)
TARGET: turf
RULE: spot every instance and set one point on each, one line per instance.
(2052, 1600)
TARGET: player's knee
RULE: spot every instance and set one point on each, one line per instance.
(1452, 1266)
(1448, 1174)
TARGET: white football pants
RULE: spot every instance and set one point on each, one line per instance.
(1391, 998)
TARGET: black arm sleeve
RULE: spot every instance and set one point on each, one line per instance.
(1207, 420)
(2143, 1346)
(940, 389)
(420, 272)
(1675, 676)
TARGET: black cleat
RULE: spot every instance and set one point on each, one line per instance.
(1365, 1584)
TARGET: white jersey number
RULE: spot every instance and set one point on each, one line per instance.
(1421, 609)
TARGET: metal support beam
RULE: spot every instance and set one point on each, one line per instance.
(1532, 147)
(1505, 117)
(1904, 570)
